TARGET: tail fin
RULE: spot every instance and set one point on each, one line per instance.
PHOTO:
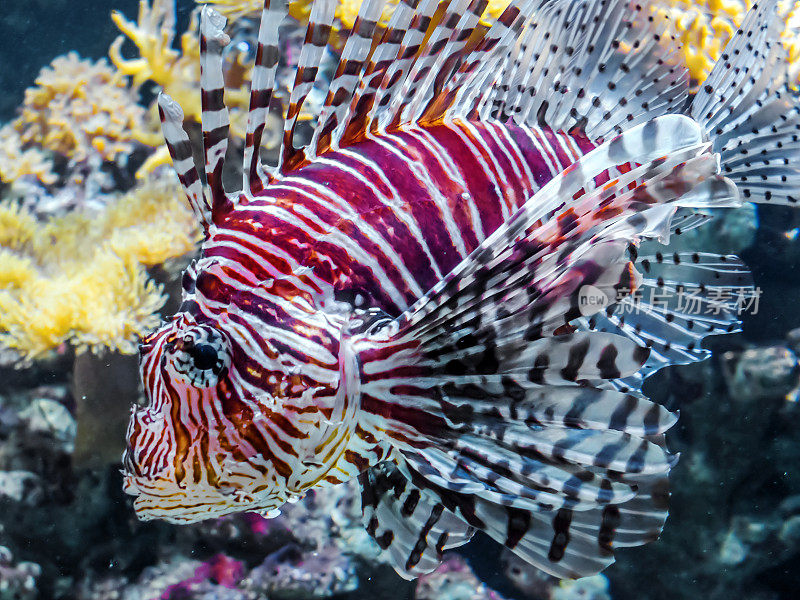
(500, 410)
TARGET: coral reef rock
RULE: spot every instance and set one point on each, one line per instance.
(453, 580)
(294, 574)
(534, 583)
(764, 372)
(587, 588)
(17, 580)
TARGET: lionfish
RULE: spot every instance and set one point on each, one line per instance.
(399, 299)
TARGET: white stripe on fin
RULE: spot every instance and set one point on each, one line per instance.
(261, 90)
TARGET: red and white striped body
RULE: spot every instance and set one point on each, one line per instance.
(376, 225)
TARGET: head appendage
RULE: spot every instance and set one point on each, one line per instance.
(319, 28)
(215, 120)
(261, 90)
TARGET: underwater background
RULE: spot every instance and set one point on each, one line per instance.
(93, 237)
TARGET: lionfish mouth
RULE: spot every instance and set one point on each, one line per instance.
(160, 494)
(158, 498)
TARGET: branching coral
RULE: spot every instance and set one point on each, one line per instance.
(79, 107)
(16, 162)
(81, 278)
(177, 72)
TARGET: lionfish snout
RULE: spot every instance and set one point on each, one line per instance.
(191, 452)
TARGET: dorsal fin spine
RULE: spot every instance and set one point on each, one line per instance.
(362, 105)
(316, 40)
(498, 38)
(215, 120)
(348, 73)
(261, 91)
(398, 69)
(427, 59)
(447, 61)
(180, 149)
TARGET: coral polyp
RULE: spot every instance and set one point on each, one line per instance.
(81, 278)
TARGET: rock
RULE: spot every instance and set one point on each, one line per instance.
(52, 421)
(292, 574)
(533, 582)
(21, 486)
(17, 581)
(587, 588)
(763, 372)
(732, 550)
(453, 580)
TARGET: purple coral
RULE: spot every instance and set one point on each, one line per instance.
(292, 573)
(453, 580)
(220, 570)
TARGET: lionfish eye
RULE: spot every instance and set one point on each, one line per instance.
(198, 356)
(205, 357)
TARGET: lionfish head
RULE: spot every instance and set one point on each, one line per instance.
(193, 450)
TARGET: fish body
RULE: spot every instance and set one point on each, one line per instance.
(402, 300)
(373, 225)
(392, 215)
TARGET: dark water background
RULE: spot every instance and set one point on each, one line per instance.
(750, 451)
(34, 32)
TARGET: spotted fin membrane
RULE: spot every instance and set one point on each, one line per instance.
(507, 409)
(542, 440)
(508, 418)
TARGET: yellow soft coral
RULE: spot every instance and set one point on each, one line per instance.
(81, 278)
(16, 162)
(177, 72)
(77, 108)
(346, 11)
(704, 27)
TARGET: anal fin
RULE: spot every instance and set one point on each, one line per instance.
(409, 522)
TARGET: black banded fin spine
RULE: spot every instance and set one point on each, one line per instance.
(261, 92)
(180, 150)
(440, 56)
(362, 105)
(413, 519)
(318, 32)
(347, 76)
(409, 523)
(215, 119)
(593, 66)
(683, 298)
